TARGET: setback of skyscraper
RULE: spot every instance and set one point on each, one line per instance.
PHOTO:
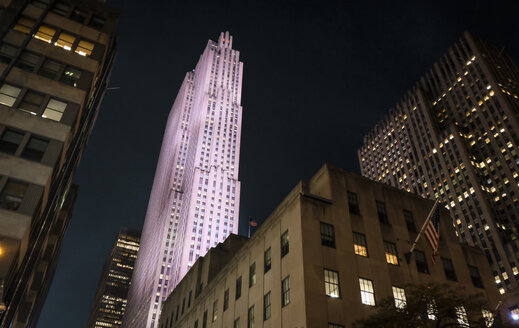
(112, 292)
(55, 61)
(453, 137)
(195, 196)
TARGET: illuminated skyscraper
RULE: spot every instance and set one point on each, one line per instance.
(454, 137)
(195, 196)
(112, 292)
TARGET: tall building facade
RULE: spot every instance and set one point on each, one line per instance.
(195, 196)
(454, 137)
(55, 62)
(112, 292)
(326, 256)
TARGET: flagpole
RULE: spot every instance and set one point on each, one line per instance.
(408, 255)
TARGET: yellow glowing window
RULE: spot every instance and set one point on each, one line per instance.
(84, 48)
(360, 245)
(65, 41)
(45, 33)
(391, 254)
(24, 25)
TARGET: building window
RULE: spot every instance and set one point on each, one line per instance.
(50, 69)
(327, 235)
(409, 221)
(189, 299)
(215, 310)
(381, 211)
(238, 288)
(12, 195)
(71, 76)
(35, 149)
(399, 296)
(331, 283)
(196, 324)
(31, 102)
(24, 25)
(79, 15)
(65, 41)
(45, 34)
(54, 110)
(226, 299)
(267, 260)
(61, 8)
(8, 94)
(250, 317)
(204, 321)
(360, 245)
(28, 61)
(10, 141)
(476, 278)
(353, 203)
(84, 48)
(448, 268)
(96, 22)
(252, 274)
(367, 292)
(334, 325)
(488, 317)
(514, 312)
(461, 315)
(7, 53)
(266, 306)
(237, 323)
(391, 254)
(284, 244)
(285, 291)
(421, 262)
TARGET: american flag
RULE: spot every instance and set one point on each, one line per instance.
(432, 232)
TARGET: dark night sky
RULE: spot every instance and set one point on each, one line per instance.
(317, 77)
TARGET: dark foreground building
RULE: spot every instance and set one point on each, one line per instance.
(454, 137)
(326, 256)
(55, 61)
(112, 292)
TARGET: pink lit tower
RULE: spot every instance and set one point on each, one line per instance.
(195, 196)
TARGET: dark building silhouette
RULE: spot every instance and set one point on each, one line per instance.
(55, 61)
(454, 137)
(112, 292)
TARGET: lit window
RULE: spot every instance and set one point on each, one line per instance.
(327, 235)
(12, 195)
(334, 325)
(45, 33)
(488, 317)
(285, 291)
(399, 296)
(8, 94)
(215, 310)
(65, 41)
(71, 76)
(24, 25)
(252, 274)
(461, 315)
(367, 292)
(266, 306)
(514, 312)
(331, 283)
(267, 260)
(54, 110)
(250, 317)
(84, 48)
(391, 254)
(359, 244)
(431, 310)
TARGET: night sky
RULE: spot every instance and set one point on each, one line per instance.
(317, 77)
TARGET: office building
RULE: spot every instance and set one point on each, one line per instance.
(112, 292)
(453, 137)
(330, 252)
(55, 61)
(195, 196)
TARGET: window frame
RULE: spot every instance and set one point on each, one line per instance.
(285, 244)
(388, 247)
(285, 291)
(267, 260)
(327, 234)
(353, 202)
(367, 296)
(332, 283)
(359, 248)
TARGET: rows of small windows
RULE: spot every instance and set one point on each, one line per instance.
(55, 36)
(74, 13)
(32, 62)
(32, 102)
(285, 283)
